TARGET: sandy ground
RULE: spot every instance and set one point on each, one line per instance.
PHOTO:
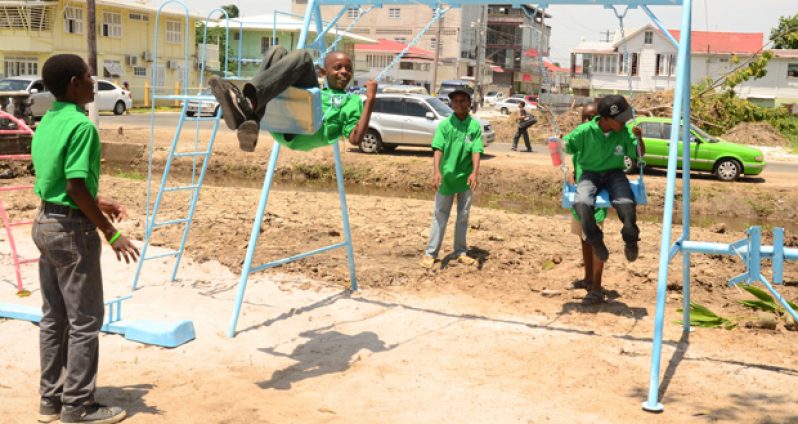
(503, 341)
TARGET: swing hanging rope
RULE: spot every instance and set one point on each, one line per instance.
(436, 16)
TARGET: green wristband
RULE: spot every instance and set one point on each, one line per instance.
(114, 238)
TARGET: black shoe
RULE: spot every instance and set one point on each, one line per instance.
(600, 250)
(528, 150)
(235, 107)
(631, 251)
(49, 410)
(513, 148)
(93, 413)
(247, 134)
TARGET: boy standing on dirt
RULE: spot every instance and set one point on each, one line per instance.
(457, 145)
(344, 113)
(599, 147)
(66, 156)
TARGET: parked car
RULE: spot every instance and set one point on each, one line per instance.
(206, 107)
(725, 159)
(448, 86)
(507, 106)
(402, 88)
(493, 96)
(409, 120)
(110, 97)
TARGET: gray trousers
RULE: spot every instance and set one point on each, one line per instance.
(621, 197)
(443, 207)
(278, 71)
(72, 310)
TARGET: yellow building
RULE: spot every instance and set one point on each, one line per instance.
(33, 30)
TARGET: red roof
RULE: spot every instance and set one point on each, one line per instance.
(546, 61)
(723, 42)
(394, 47)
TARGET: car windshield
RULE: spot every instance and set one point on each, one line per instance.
(13, 85)
(440, 107)
(703, 134)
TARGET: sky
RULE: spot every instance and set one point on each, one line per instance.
(571, 24)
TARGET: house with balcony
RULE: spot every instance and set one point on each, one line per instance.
(652, 64)
(32, 30)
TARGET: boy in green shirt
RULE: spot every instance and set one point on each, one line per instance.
(457, 145)
(66, 156)
(344, 113)
(600, 146)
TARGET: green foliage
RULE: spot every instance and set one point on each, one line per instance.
(701, 316)
(785, 35)
(231, 9)
(756, 69)
(764, 301)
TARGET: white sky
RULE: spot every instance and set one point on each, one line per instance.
(570, 24)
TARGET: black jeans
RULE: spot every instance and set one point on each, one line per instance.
(278, 71)
(620, 196)
(72, 310)
(518, 134)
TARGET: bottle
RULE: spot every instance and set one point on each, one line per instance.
(554, 149)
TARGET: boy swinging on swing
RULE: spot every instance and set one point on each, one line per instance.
(345, 114)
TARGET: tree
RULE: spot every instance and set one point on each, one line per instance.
(785, 35)
(231, 9)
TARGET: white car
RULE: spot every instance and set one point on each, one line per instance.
(508, 106)
(205, 107)
(110, 97)
(493, 96)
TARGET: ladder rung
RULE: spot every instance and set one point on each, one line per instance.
(28, 261)
(162, 255)
(20, 223)
(184, 97)
(180, 188)
(174, 221)
(184, 154)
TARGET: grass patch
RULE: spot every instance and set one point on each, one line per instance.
(131, 175)
(788, 127)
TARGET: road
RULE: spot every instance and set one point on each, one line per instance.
(169, 120)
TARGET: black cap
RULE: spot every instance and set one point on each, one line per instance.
(616, 107)
(463, 90)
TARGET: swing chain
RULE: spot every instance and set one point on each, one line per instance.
(640, 162)
(437, 15)
(361, 14)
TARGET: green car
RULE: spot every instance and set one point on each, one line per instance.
(725, 159)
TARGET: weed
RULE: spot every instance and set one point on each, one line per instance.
(701, 316)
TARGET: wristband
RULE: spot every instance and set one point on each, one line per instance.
(114, 238)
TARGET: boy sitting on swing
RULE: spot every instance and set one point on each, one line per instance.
(344, 114)
(599, 146)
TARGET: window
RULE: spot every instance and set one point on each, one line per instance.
(73, 20)
(104, 86)
(14, 66)
(112, 25)
(648, 37)
(236, 36)
(138, 17)
(792, 70)
(353, 12)
(433, 43)
(652, 130)
(378, 61)
(112, 68)
(389, 106)
(402, 40)
(415, 109)
(140, 71)
(266, 42)
(632, 64)
(174, 32)
(394, 13)
(408, 66)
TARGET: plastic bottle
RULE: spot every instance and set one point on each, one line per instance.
(554, 149)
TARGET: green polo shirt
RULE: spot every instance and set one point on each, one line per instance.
(457, 140)
(65, 146)
(598, 152)
(341, 111)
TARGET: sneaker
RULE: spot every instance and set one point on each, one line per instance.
(427, 262)
(631, 251)
(49, 410)
(466, 260)
(235, 107)
(92, 413)
(247, 134)
(528, 150)
(513, 148)
(600, 250)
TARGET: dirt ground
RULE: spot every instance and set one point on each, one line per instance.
(502, 341)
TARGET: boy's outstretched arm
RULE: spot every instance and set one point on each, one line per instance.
(356, 136)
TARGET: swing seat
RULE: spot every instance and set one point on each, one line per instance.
(294, 111)
(603, 197)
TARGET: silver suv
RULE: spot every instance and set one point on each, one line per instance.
(409, 120)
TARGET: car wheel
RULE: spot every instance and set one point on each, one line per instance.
(728, 169)
(371, 143)
(119, 108)
(629, 166)
(189, 113)
(504, 111)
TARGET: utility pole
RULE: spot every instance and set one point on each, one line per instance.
(483, 23)
(434, 88)
(91, 37)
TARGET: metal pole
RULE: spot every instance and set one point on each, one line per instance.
(433, 89)
(686, 200)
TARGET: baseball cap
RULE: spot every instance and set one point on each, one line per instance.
(464, 90)
(616, 107)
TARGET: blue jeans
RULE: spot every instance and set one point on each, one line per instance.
(620, 196)
(443, 207)
(72, 309)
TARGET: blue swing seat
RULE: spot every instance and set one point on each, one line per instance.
(294, 111)
(603, 197)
